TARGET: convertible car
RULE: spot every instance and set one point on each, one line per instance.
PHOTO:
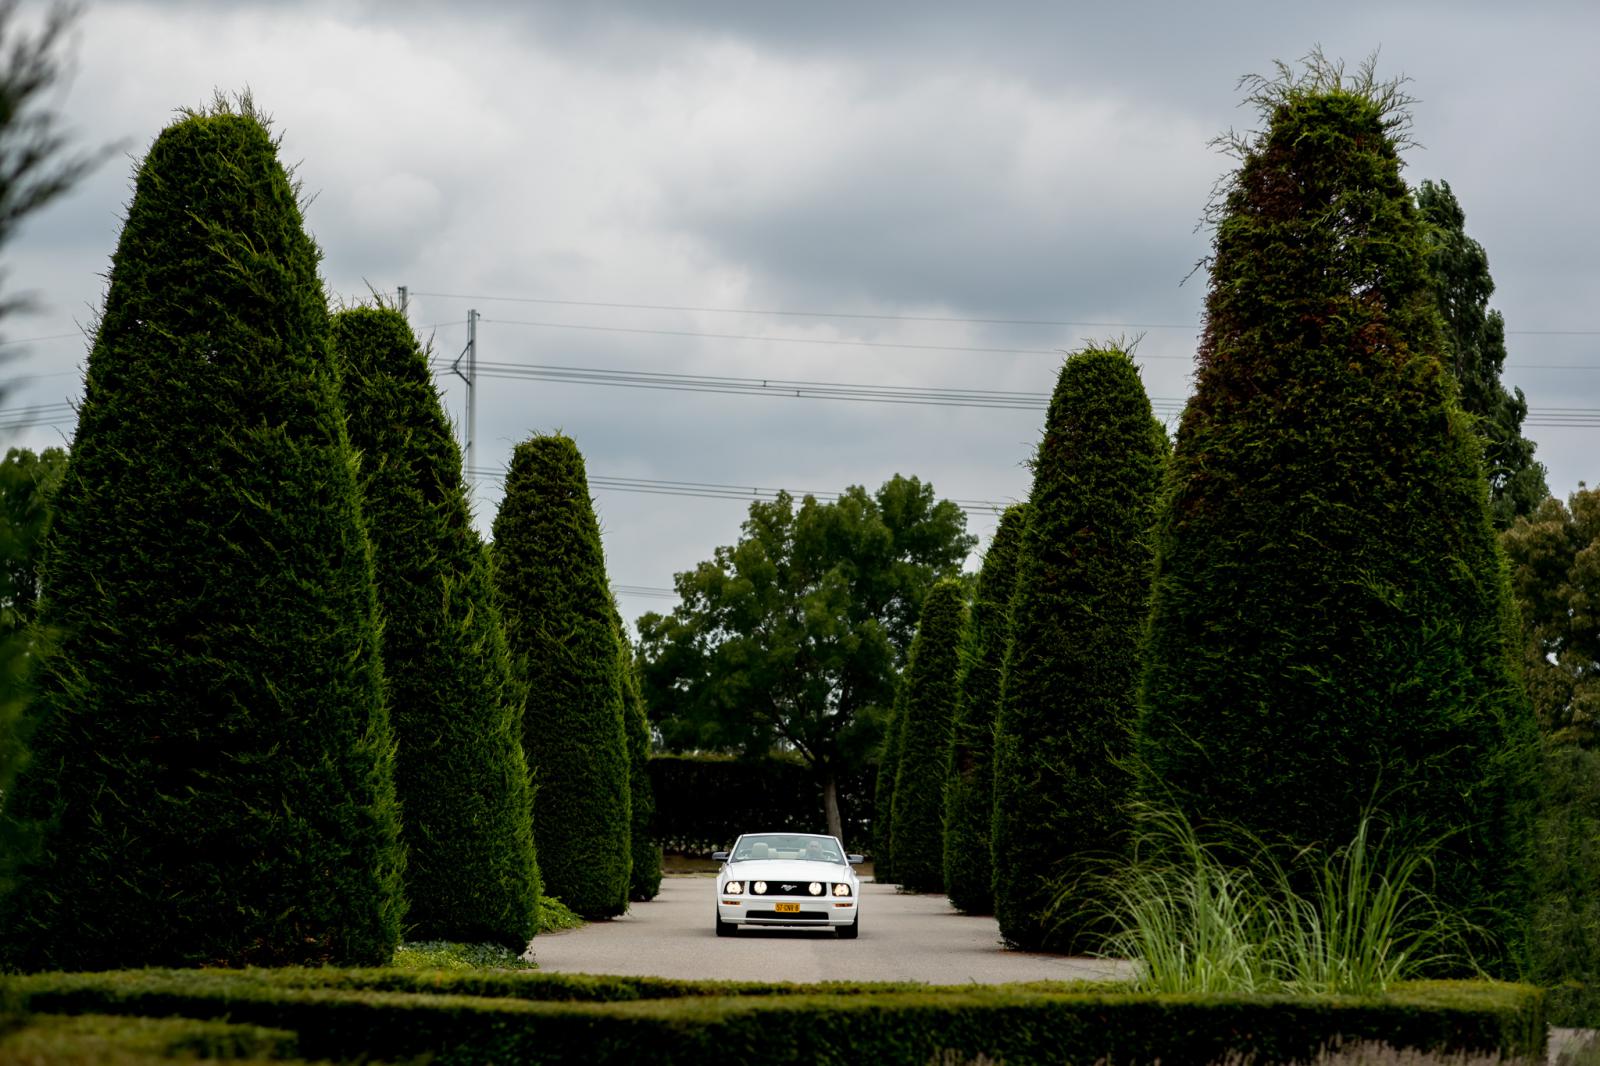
(788, 881)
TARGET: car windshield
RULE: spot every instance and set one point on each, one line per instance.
(787, 846)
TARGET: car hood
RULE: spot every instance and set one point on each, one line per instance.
(786, 870)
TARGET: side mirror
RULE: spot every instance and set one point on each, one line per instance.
(855, 860)
(719, 856)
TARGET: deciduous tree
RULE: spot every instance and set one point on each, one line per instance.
(793, 636)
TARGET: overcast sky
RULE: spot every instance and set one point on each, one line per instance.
(644, 190)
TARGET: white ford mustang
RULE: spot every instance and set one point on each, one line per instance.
(788, 880)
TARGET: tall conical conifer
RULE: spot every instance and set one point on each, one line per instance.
(212, 779)
(969, 775)
(645, 880)
(1064, 730)
(883, 791)
(929, 706)
(1331, 628)
(454, 706)
(550, 574)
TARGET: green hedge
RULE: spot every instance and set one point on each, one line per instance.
(559, 1018)
(112, 1039)
(703, 803)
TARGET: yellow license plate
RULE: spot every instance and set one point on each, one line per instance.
(786, 908)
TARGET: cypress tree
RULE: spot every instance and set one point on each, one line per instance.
(455, 709)
(930, 702)
(1330, 625)
(212, 780)
(1475, 351)
(1064, 729)
(883, 793)
(969, 776)
(550, 574)
(645, 881)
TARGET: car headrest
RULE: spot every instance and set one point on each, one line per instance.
(758, 851)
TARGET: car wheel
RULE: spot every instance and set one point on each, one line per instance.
(724, 928)
(851, 931)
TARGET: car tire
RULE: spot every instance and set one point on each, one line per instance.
(724, 928)
(851, 931)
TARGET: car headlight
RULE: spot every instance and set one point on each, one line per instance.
(733, 888)
(816, 888)
(841, 889)
(759, 888)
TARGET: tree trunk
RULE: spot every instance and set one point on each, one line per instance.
(830, 803)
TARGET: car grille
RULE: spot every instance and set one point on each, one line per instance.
(787, 916)
(791, 888)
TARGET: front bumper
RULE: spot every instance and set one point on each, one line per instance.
(810, 912)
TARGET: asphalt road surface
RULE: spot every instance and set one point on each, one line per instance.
(903, 938)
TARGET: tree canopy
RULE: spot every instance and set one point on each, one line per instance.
(1475, 338)
(793, 636)
(1555, 576)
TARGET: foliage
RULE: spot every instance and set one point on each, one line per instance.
(703, 802)
(929, 706)
(454, 706)
(792, 637)
(969, 774)
(108, 1040)
(883, 795)
(1555, 576)
(212, 772)
(550, 574)
(35, 168)
(509, 1016)
(447, 955)
(645, 880)
(1566, 915)
(1210, 917)
(27, 483)
(1331, 629)
(1475, 339)
(1063, 730)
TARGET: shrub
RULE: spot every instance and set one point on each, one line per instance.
(645, 880)
(455, 709)
(1330, 628)
(550, 574)
(1067, 692)
(1566, 916)
(212, 780)
(969, 776)
(929, 705)
(488, 1017)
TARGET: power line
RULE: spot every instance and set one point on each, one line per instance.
(719, 491)
(867, 316)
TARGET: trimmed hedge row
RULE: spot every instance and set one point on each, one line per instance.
(703, 803)
(561, 1018)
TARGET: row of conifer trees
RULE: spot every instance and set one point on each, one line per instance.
(295, 708)
(1297, 616)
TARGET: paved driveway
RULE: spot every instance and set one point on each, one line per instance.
(903, 938)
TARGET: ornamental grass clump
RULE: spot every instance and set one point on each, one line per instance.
(1227, 915)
